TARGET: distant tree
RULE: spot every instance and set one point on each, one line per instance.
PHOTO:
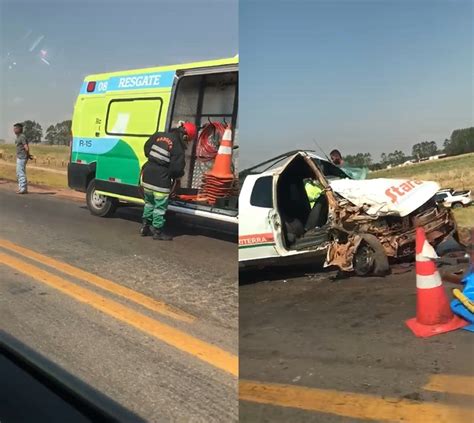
(33, 131)
(461, 142)
(376, 166)
(446, 144)
(359, 159)
(51, 135)
(396, 158)
(63, 131)
(424, 149)
(59, 134)
(367, 159)
(434, 148)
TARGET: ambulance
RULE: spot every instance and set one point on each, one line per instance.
(362, 226)
(115, 114)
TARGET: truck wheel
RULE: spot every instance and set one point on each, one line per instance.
(457, 205)
(370, 257)
(99, 205)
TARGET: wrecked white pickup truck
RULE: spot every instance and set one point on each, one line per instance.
(360, 226)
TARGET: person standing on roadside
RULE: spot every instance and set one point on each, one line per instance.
(22, 156)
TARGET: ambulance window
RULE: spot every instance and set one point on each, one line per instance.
(262, 193)
(138, 117)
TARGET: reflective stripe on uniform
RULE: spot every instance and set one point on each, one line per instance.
(159, 156)
(160, 150)
(155, 188)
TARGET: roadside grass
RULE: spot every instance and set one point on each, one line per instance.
(35, 176)
(465, 217)
(452, 172)
(56, 156)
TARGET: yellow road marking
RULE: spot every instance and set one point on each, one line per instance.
(348, 404)
(211, 354)
(452, 384)
(103, 283)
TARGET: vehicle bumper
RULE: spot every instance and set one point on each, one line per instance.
(79, 175)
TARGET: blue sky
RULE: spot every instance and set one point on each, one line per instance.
(362, 76)
(77, 38)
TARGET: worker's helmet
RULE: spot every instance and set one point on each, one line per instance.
(190, 129)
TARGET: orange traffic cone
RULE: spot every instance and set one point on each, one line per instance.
(222, 168)
(433, 313)
(219, 182)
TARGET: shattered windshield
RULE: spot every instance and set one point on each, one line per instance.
(330, 171)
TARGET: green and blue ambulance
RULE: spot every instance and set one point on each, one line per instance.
(114, 115)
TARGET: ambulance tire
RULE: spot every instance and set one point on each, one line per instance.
(100, 205)
(370, 258)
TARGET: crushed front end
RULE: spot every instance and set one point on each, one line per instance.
(395, 233)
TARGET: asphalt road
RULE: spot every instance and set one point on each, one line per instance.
(315, 348)
(151, 326)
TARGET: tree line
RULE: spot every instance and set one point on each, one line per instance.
(460, 142)
(58, 134)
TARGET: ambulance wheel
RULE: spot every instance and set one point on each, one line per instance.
(98, 204)
(370, 258)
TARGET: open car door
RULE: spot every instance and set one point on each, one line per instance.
(296, 227)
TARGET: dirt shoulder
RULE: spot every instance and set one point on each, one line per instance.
(69, 194)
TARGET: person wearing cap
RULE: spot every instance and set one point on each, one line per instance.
(22, 156)
(165, 165)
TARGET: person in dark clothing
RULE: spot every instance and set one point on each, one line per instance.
(336, 157)
(165, 165)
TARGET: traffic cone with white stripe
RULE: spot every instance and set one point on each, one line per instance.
(433, 313)
(219, 182)
(222, 168)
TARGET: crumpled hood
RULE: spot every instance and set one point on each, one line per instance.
(386, 196)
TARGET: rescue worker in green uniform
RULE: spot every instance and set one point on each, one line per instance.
(317, 202)
(165, 165)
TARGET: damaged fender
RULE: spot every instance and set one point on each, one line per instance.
(342, 255)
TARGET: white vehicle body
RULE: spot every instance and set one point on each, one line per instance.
(367, 204)
(451, 198)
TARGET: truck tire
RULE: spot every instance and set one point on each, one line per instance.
(370, 257)
(457, 205)
(99, 205)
